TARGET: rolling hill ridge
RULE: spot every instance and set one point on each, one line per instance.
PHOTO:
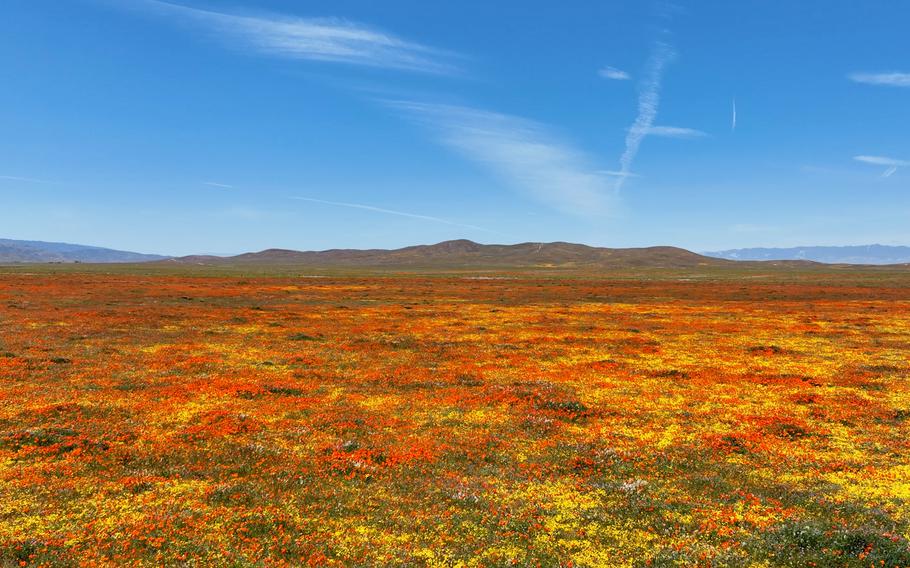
(464, 253)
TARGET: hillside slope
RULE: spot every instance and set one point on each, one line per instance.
(468, 254)
(14, 251)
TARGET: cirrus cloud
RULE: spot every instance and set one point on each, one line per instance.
(893, 79)
(675, 132)
(316, 39)
(521, 152)
(614, 73)
(891, 164)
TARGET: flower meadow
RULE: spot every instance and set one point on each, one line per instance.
(187, 420)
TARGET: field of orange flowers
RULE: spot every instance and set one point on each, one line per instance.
(177, 420)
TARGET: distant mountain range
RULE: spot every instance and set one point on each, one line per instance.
(464, 254)
(865, 254)
(12, 251)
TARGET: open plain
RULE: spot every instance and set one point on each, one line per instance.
(160, 416)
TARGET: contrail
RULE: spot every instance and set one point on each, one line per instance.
(648, 103)
(891, 163)
(390, 212)
(25, 179)
(733, 128)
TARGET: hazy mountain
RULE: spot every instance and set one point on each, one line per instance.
(468, 254)
(460, 254)
(863, 254)
(12, 251)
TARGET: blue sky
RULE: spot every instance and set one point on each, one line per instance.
(229, 126)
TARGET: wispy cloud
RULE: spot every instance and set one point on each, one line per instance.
(890, 163)
(221, 185)
(390, 212)
(675, 132)
(882, 161)
(315, 39)
(615, 173)
(888, 79)
(25, 179)
(614, 73)
(521, 152)
(648, 103)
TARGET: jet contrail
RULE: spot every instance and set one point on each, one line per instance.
(390, 212)
(648, 102)
(891, 163)
(733, 128)
(25, 179)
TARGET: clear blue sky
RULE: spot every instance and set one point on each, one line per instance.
(227, 126)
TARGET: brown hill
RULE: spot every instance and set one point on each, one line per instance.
(463, 254)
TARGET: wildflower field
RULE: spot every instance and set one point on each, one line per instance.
(205, 420)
